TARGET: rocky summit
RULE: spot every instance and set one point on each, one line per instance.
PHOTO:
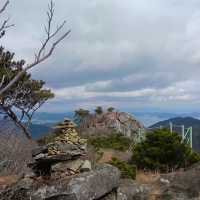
(106, 122)
(62, 170)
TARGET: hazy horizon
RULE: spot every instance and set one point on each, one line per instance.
(148, 118)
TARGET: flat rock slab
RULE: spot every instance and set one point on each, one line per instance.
(87, 186)
(39, 150)
(94, 184)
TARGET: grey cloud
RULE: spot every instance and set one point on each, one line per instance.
(133, 45)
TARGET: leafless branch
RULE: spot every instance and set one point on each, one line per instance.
(5, 25)
(41, 56)
(4, 6)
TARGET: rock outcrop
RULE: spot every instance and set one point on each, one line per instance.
(120, 122)
(95, 184)
(86, 186)
(62, 171)
(183, 185)
(129, 190)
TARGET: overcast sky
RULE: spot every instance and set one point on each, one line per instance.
(130, 54)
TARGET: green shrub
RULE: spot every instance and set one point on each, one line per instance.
(163, 150)
(113, 141)
(193, 158)
(127, 170)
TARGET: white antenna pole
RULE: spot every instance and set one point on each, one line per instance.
(183, 132)
(171, 127)
(191, 133)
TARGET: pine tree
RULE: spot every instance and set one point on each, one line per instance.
(25, 97)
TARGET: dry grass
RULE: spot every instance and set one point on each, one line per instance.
(108, 154)
(151, 179)
(8, 180)
(147, 177)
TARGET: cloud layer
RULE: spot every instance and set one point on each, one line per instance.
(127, 54)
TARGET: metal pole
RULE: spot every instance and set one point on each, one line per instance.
(183, 132)
(139, 133)
(191, 134)
(170, 127)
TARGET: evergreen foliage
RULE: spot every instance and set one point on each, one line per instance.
(110, 109)
(80, 115)
(113, 141)
(25, 96)
(98, 110)
(164, 151)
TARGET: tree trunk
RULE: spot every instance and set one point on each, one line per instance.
(13, 116)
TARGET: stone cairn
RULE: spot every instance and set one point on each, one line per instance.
(66, 155)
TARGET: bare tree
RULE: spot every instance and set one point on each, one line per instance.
(44, 52)
(5, 24)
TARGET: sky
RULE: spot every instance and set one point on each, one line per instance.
(131, 54)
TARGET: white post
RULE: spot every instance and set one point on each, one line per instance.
(139, 133)
(171, 127)
(183, 132)
(191, 133)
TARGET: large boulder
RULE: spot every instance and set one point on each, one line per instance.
(129, 190)
(86, 186)
(96, 184)
(183, 184)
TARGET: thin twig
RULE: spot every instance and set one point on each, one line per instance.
(4, 7)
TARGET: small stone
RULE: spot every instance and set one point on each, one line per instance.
(73, 166)
(165, 181)
(87, 166)
(39, 156)
(30, 175)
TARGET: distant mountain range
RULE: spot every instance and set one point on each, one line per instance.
(147, 118)
(49, 118)
(37, 130)
(187, 122)
(43, 122)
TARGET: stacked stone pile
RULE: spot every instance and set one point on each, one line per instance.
(68, 136)
(67, 154)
